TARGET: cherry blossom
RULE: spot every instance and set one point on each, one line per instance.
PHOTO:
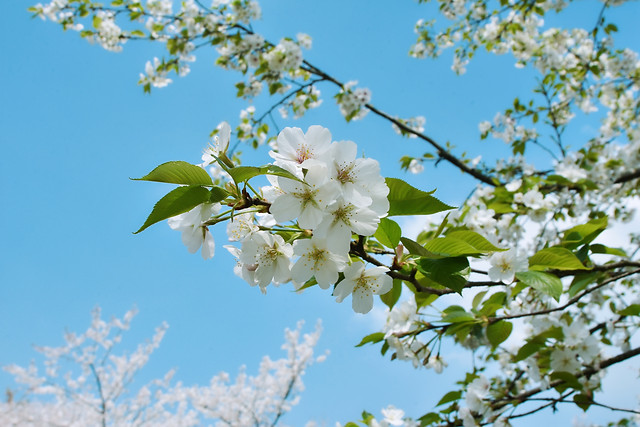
(363, 284)
(194, 233)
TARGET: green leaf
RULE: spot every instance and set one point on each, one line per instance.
(450, 397)
(218, 194)
(414, 247)
(476, 240)
(244, 173)
(442, 266)
(429, 418)
(176, 202)
(179, 172)
(392, 297)
(456, 314)
(444, 271)
(461, 243)
(555, 258)
(308, 284)
(568, 381)
(597, 248)
(583, 401)
(388, 233)
(528, 349)
(584, 233)
(580, 282)
(372, 338)
(632, 310)
(543, 282)
(498, 332)
(407, 200)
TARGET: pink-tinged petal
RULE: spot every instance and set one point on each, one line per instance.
(285, 208)
(208, 245)
(362, 300)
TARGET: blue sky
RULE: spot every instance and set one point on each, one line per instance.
(74, 126)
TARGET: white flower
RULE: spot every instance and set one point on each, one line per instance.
(476, 392)
(393, 415)
(437, 363)
(220, 145)
(304, 40)
(194, 233)
(269, 256)
(301, 149)
(316, 260)
(240, 226)
(307, 202)
(513, 185)
(504, 265)
(358, 175)
(564, 360)
(416, 166)
(248, 273)
(363, 284)
(467, 417)
(342, 219)
(401, 318)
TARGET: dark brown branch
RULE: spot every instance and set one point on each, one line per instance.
(570, 302)
(442, 152)
(501, 403)
(602, 267)
(629, 176)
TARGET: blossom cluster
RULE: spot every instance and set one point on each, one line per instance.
(352, 102)
(328, 195)
(86, 382)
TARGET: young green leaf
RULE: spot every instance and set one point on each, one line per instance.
(176, 202)
(407, 200)
(461, 243)
(498, 332)
(544, 282)
(245, 173)
(414, 247)
(555, 258)
(584, 233)
(179, 172)
(450, 397)
(391, 298)
(372, 338)
(388, 233)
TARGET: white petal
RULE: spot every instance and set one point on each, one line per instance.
(362, 300)
(285, 208)
(208, 246)
(343, 289)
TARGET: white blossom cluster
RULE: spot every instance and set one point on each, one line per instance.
(86, 383)
(352, 101)
(336, 194)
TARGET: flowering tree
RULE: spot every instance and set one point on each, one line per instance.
(523, 251)
(85, 383)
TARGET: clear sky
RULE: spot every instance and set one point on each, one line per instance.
(74, 126)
